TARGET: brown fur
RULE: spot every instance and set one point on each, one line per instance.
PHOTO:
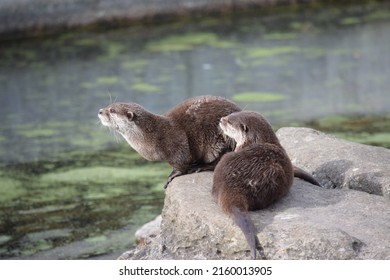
(255, 175)
(188, 137)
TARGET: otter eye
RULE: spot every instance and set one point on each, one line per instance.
(112, 110)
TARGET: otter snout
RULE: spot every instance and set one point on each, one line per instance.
(104, 117)
(102, 113)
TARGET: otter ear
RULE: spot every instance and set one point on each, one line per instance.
(244, 128)
(130, 115)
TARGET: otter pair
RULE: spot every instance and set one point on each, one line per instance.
(252, 170)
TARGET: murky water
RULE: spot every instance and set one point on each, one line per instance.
(68, 189)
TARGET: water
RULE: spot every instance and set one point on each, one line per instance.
(69, 189)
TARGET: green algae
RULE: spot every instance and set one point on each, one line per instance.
(4, 238)
(114, 49)
(139, 64)
(49, 234)
(350, 21)
(270, 52)
(378, 15)
(374, 139)
(48, 129)
(280, 36)
(48, 209)
(107, 80)
(96, 239)
(86, 42)
(371, 130)
(187, 42)
(104, 175)
(38, 132)
(143, 87)
(296, 25)
(276, 113)
(78, 188)
(23, 55)
(37, 246)
(87, 85)
(258, 97)
(10, 189)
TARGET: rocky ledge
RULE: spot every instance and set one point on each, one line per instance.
(346, 219)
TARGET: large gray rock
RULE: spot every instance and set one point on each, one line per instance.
(309, 223)
(338, 163)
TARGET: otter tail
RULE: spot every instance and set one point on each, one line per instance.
(242, 219)
(300, 173)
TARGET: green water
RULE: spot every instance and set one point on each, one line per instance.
(82, 205)
(70, 189)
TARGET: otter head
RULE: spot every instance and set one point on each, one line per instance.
(134, 123)
(248, 128)
(119, 116)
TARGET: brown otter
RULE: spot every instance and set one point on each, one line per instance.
(256, 174)
(188, 137)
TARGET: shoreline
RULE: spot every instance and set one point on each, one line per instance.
(21, 18)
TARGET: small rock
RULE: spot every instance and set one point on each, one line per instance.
(149, 230)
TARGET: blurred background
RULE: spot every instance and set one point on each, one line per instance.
(70, 189)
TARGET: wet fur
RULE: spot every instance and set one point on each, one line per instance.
(255, 175)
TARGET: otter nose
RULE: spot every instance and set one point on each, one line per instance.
(100, 111)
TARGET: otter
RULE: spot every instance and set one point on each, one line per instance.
(256, 174)
(188, 137)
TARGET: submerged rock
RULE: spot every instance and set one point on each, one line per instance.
(309, 223)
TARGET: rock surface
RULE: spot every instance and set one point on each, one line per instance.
(148, 230)
(338, 163)
(309, 223)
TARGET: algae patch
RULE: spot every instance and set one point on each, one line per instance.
(143, 87)
(269, 52)
(370, 130)
(187, 42)
(4, 239)
(280, 36)
(76, 200)
(10, 190)
(258, 97)
(135, 64)
(107, 80)
(350, 21)
(100, 175)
